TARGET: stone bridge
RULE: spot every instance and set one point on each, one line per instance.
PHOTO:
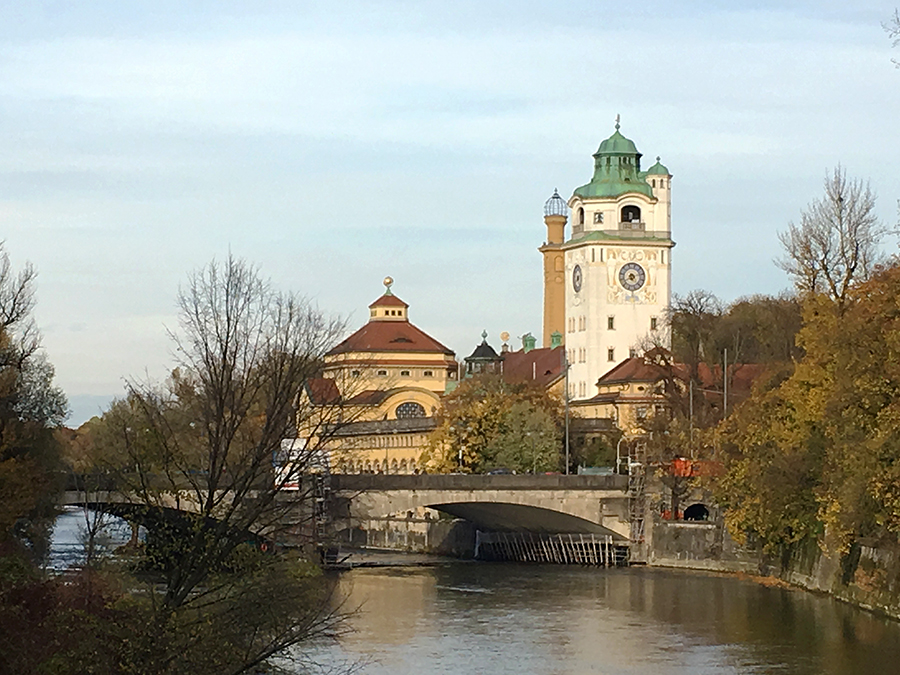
(540, 504)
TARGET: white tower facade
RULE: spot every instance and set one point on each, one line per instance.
(618, 264)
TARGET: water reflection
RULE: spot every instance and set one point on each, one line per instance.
(471, 618)
(67, 544)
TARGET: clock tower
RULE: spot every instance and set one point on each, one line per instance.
(617, 263)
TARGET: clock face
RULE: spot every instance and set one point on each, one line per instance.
(576, 278)
(632, 276)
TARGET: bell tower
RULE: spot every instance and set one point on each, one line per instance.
(555, 216)
(617, 264)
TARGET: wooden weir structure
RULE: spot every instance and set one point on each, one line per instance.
(561, 549)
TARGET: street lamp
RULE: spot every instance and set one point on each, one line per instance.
(459, 457)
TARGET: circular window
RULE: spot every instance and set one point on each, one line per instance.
(409, 409)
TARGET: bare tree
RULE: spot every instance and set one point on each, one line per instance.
(205, 443)
(892, 28)
(836, 244)
(693, 319)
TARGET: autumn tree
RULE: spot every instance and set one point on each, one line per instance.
(487, 423)
(817, 452)
(836, 244)
(31, 406)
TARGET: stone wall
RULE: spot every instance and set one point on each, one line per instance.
(416, 534)
(867, 576)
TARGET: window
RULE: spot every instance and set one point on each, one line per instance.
(382, 373)
(611, 354)
(354, 373)
(427, 373)
(632, 353)
(404, 373)
(610, 323)
(653, 323)
(631, 214)
(409, 409)
(654, 182)
(598, 217)
(581, 216)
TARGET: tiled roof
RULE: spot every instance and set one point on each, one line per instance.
(323, 391)
(368, 397)
(638, 369)
(541, 366)
(388, 301)
(390, 336)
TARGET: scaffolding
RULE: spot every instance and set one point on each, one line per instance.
(637, 496)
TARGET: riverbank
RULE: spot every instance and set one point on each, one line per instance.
(867, 576)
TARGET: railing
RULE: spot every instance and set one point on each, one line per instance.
(365, 481)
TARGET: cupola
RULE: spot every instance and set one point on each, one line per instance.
(388, 307)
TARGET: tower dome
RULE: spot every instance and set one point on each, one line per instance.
(556, 205)
(617, 170)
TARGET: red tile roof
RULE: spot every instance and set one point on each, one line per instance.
(541, 366)
(390, 336)
(640, 369)
(388, 301)
(323, 391)
(368, 397)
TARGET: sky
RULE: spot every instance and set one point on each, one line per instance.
(333, 144)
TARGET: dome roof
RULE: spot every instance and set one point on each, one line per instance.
(617, 170)
(658, 169)
(556, 205)
(617, 144)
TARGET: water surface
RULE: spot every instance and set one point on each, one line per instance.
(519, 619)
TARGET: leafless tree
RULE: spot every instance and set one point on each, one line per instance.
(892, 28)
(205, 443)
(836, 244)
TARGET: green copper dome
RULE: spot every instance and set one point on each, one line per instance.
(658, 170)
(618, 144)
(617, 170)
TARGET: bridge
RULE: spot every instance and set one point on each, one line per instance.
(529, 517)
(400, 511)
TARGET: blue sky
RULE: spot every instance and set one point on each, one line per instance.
(336, 143)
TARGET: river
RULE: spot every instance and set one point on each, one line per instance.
(464, 618)
(508, 619)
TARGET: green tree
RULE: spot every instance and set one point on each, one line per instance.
(488, 423)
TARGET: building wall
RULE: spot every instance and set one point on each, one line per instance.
(602, 298)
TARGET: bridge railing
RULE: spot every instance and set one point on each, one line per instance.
(363, 482)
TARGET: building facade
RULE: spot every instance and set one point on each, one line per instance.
(387, 378)
(616, 264)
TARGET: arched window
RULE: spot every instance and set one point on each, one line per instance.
(631, 214)
(403, 466)
(394, 466)
(409, 409)
(580, 216)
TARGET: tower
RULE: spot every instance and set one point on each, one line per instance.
(555, 217)
(617, 263)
